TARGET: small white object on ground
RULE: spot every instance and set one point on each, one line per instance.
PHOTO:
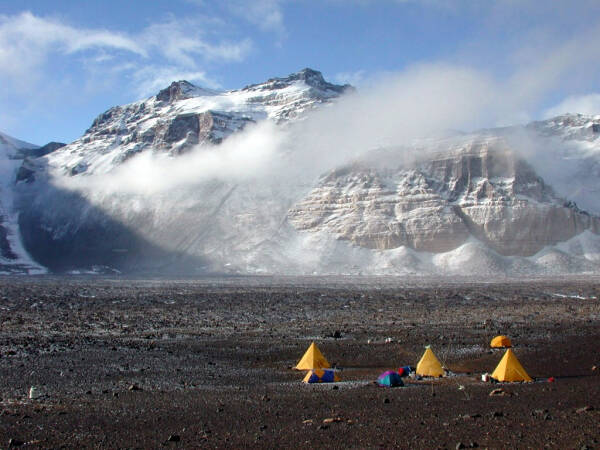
(33, 392)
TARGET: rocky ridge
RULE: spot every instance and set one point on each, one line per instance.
(182, 116)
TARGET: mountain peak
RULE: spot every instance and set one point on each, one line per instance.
(180, 90)
(310, 77)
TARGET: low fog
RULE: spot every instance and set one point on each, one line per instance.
(425, 101)
(250, 154)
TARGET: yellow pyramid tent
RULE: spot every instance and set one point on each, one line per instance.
(500, 341)
(312, 359)
(429, 365)
(510, 369)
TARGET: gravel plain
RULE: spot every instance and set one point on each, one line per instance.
(153, 363)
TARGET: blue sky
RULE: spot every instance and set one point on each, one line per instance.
(64, 62)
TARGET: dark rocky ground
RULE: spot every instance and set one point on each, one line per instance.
(130, 363)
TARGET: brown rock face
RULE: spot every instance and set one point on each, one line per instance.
(176, 91)
(480, 189)
(176, 135)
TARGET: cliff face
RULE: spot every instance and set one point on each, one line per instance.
(479, 189)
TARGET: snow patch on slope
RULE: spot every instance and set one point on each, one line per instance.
(15, 259)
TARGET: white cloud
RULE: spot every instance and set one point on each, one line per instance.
(267, 15)
(582, 104)
(419, 102)
(247, 155)
(182, 41)
(29, 42)
(26, 42)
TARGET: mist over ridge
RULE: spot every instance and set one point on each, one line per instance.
(300, 176)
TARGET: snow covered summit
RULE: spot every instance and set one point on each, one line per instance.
(182, 116)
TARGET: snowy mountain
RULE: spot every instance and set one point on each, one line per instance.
(10, 146)
(182, 116)
(13, 258)
(514, 201)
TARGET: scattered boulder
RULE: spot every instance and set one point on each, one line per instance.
(499, 392)
(332, 420)
(12, 442)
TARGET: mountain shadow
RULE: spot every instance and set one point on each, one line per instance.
(63, 231)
